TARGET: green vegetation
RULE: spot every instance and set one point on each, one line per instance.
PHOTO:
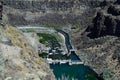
(43, 55)
(45, 36)
(42, 40)
(49, 40)
(58, 38)
(90, 77)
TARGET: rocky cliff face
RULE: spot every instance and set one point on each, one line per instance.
(1, 9)
(106, 22)
(45, 6)
(55, 12)
(98, 43)
(18, 59)
(104, 25)
(45, 11)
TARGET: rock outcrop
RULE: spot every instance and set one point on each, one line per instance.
(44, 11)
(117, 2)
(106, 22)
(103, 25)
(113, 10)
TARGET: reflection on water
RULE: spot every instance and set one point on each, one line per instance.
(79, 72)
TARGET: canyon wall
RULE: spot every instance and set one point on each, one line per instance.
(45, 11)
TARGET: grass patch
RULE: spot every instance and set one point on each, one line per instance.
(48, 39)
(46, 36)
(58, 38)
(42, 40)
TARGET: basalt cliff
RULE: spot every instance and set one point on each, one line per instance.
(98, 42)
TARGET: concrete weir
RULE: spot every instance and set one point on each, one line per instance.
(75, 62)
(70, 62)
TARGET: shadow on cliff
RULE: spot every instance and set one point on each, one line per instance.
(103, 25)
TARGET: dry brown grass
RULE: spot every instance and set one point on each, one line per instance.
(18, 39)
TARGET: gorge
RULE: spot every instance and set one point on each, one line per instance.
(92, 25)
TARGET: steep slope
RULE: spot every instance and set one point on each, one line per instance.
(98, 43)
(19, 60)
(44, 12)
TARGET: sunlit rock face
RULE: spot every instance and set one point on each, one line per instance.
(106, 21)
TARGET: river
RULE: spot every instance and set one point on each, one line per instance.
(73, 72)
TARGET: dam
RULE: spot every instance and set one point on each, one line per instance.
(73, 68)
(70, 62)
